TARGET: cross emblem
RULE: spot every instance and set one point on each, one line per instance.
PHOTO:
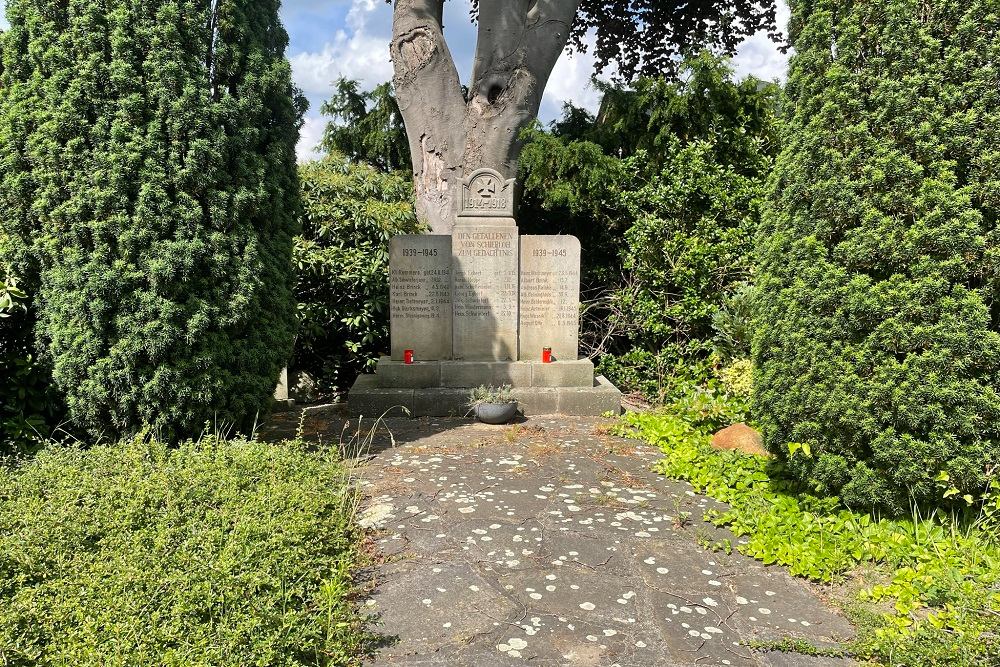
(487, 188)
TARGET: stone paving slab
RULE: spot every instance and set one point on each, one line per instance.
(552, 543)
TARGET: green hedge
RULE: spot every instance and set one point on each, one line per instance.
(215, 553)
(147, 174)
(877, 329)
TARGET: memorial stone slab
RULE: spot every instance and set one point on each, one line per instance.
(550, 297)
(484, 292)
(487, 194)
(420, 304)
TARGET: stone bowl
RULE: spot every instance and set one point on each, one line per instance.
(496, 413)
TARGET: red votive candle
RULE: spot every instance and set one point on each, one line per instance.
(547, 355)
(408, 356)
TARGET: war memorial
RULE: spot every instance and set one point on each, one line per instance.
(484, 306)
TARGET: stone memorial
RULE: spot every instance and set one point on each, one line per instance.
(479, 307)
(420, 306)
(484, 262)
(550, 297)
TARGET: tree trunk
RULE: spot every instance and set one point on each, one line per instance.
(451, 134)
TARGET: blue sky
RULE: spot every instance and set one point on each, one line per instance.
(333, 38)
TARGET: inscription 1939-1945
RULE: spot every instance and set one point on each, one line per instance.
(420, 302)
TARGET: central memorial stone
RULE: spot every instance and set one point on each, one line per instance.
(484, 306)
(485, 252)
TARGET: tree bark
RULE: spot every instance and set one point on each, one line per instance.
(450, 135)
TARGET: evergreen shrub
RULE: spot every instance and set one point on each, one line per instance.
(877, 329)
(148, 175)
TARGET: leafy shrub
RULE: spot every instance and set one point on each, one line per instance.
(342, 259)
(28, 407)
(877, 331)
(737, 378)
(148, 162)
(670, 176)
(218, 552)
(940, 604)
(688, 248)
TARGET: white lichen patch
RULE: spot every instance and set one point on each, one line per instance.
(376, 515)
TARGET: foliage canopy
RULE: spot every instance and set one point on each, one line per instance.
(366, 126)
(668, 181)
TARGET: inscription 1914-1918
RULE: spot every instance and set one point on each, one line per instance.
(487, 194)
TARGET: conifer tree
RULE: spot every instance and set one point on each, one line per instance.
(148, 179)
(877, 335)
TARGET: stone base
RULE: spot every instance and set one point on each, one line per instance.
(367, 398)
(464, 374)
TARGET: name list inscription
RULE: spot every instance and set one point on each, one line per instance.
(549, 297)
(420, 304)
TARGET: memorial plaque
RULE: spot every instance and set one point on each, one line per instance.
(550, 297)
(487, 194)
(420, 296)
(484, 292)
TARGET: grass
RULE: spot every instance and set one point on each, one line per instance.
(218, 552)
(935, 599)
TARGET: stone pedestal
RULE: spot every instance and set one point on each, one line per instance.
(367, 399)
(478, 308)
(458, 374)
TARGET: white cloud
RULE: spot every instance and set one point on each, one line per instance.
(359, 56)
(358, 51)
(570, 82)
(309, 138)
(760, 57)
(355, 52)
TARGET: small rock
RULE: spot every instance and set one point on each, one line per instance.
(741, 438)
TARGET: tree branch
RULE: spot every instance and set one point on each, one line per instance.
(430, 99)
(519, 44)
(548, 30)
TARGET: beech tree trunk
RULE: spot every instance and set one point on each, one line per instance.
(451, 134)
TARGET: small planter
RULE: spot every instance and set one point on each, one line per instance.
(493, 405)
(496, 413)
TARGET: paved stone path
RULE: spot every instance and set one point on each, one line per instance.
(552, 543)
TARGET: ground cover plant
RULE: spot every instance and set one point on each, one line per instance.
(217, 552)
(877, 332)
(150, 192)
(935, 596)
